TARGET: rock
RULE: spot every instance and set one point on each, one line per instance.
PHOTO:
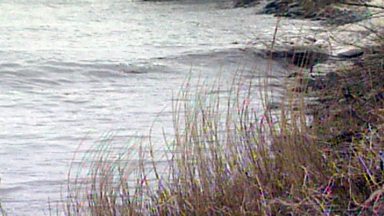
(305, 57)
(324, 44)
(337, 16)
(273, 105)
(285, 8)
(244, 3)
(313, 84)
(272, 7)
(293, 4)
(326, 11)
(332, 78)
(352, 53)
(311, 38)
(295, 74)
(379, 97)
(295, 12)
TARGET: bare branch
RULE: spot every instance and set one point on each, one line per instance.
(363, 5)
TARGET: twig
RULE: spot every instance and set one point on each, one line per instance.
(363, 5)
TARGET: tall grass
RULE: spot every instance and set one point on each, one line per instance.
(232, 155)
(235, 160)
(226, 158)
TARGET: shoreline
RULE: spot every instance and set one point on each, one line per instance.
(235, 182)
(242, 164)
(261, 167)
(342, 44)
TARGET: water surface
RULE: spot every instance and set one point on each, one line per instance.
(71, 71)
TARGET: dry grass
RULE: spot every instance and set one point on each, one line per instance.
(350, 122)
(226, 158)
(229, 158)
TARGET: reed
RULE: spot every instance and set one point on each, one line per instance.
(232, 155)
(240, 162)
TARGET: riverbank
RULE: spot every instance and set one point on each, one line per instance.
(330, 12)
(347, 122)
(318, 158)
(113, 69)
(120, 69)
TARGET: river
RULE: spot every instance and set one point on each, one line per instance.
(72, 71)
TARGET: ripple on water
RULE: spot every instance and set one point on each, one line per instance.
(71, 71)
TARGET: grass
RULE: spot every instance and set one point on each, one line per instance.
(229, 157)
(232, 156)
(350, 122)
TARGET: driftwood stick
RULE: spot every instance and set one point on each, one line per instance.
(363, 5)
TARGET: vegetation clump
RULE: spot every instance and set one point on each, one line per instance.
(228, 157)
(237, 160)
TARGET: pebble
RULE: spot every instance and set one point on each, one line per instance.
(352, 53)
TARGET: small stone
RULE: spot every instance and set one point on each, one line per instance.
(244, 3)
(271, 7)
(352, 53)
(311, 38)
(332, 78)
(294, 74)
(295, 12)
